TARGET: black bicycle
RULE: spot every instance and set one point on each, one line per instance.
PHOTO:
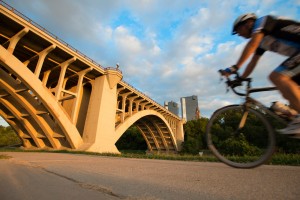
(241, 136)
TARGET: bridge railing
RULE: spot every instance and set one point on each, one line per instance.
(113, 68)
(12, 9)
(151, 100)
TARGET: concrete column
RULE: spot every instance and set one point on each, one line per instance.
(124, 98)
(15, 39)
(42, 55)
(179, 133)
(78, 92)
(130, 106)
(99, 128)
(61, 80)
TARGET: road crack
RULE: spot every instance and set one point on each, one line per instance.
(84, 185)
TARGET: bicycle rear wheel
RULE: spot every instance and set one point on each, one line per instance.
(249, 146)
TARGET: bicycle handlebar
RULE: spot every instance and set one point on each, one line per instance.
(237, 81)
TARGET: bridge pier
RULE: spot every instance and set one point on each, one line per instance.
(180, 134)
(99, 128)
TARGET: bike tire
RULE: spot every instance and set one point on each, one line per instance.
(249, 147)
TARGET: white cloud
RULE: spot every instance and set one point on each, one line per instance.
(126, 42)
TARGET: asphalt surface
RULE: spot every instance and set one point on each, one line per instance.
(57, 176)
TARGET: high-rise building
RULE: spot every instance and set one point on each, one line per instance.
(172, 107)
(189, 108)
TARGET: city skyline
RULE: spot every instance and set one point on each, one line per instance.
(189, 107)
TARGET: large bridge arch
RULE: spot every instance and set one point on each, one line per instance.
(154, 128)
(26, 93)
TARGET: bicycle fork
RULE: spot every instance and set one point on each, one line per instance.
(245, 113)
(243, 120)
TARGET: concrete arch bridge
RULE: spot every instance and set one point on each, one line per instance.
(55, 97)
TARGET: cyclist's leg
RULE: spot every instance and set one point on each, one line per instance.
(283, 76)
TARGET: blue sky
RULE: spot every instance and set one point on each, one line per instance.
(167, 49)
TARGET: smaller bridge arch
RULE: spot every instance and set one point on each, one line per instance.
(154, 128)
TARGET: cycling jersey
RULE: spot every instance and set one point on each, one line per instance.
(281, 35)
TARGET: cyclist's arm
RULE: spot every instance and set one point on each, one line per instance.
(250, 67)
(250, 48)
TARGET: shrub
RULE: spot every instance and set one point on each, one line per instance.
(238, 146)
(8, 137)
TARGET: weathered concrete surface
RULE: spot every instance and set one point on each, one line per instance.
(69, 176)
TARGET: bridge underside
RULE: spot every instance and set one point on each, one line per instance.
(156, 134)
(27, 110)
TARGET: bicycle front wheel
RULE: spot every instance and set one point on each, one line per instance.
(239, 138)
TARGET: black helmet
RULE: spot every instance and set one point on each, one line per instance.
(242, 18)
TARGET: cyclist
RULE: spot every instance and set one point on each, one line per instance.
(270, 33)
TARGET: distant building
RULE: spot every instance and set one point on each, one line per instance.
(189, 108)
(172, 107)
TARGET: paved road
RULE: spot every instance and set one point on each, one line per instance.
(56, 176)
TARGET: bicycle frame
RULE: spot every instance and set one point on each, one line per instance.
(261, 106)
(249, 101)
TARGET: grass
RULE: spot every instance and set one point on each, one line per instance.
(277, 158)
(285, 159)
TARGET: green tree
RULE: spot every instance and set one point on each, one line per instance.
(8, 137)
(132, 139)
(253, 131)
(240, 146)
(194, 136)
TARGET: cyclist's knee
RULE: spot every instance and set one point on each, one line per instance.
(277, 78)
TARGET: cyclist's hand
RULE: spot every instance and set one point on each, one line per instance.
(228, 71)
